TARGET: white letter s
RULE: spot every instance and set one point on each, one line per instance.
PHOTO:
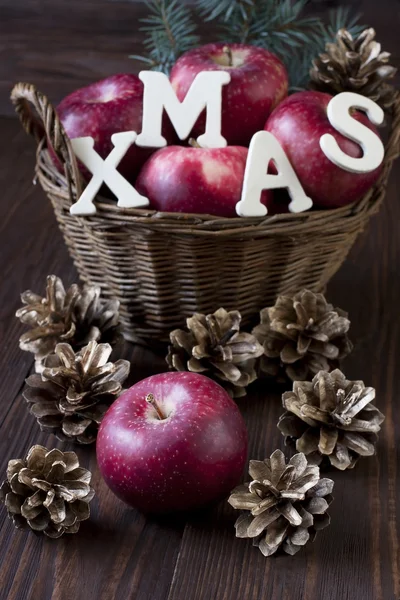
(341, 119)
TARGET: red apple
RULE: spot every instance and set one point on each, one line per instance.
(259, 82)
(174, 441)
(109, 106)
(298, 124)
(195, 180)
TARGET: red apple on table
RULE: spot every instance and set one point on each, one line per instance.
(298, 124)
(259, 82)
(196, 180)
(106, 107)
(174, 441)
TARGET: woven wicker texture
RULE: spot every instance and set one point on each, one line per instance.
(163, 267)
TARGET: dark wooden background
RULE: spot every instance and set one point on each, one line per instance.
(60, 45)
(119, 554)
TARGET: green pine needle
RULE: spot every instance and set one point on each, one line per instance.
(276, 25)
(279, 27)
(299, 63)
(224, 9)
(339, 18)
(170, 33)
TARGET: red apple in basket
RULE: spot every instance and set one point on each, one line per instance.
(259, 82)
(174, 441)
(196, 180)
(106, 107)
(298, 124)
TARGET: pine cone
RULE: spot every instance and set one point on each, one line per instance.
(96, 319)
(74, 391)
(355, 65)
(302, 336)
(215, 346)
(287, 504)
(331, 418)
(48, 492)
(77, 316)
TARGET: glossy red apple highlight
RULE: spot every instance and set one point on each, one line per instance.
(196, 180)
(174, 441)
(259, 82)
(298, 124)
(106, 107)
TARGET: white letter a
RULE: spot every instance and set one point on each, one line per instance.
(264, 148)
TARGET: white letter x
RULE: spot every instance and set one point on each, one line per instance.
(105, 170)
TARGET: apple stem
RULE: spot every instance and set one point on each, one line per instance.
(194, 143)
(227, 50)
(151, 400)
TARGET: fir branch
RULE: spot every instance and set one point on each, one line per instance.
(170, 33)
(237, 28)
(299, 63)
(224, 9)
(279, 27)
(276, 25)
(339, 18)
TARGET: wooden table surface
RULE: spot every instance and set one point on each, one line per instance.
(118, 553)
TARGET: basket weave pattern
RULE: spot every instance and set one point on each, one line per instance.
(163, 267)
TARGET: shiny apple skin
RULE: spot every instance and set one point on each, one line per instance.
(259, 81)
(112, 105)
(192, 458)
(196, 180)
(298, 124)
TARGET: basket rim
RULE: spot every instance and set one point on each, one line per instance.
(66, 188)
(110, 217)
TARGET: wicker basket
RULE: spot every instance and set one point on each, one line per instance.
(163, 267)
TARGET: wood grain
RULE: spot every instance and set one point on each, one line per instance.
(119, 554)
(60, 45)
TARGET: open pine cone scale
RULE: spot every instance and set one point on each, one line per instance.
(331, 418)
(215, 346)
(48, 491)
(77, 316)
(51, 318)
(356, 65)
(75, 390)
(302, 335)
(214, 335)
(287, 503)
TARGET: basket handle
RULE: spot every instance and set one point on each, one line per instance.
(394, 141)
(44, 122)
